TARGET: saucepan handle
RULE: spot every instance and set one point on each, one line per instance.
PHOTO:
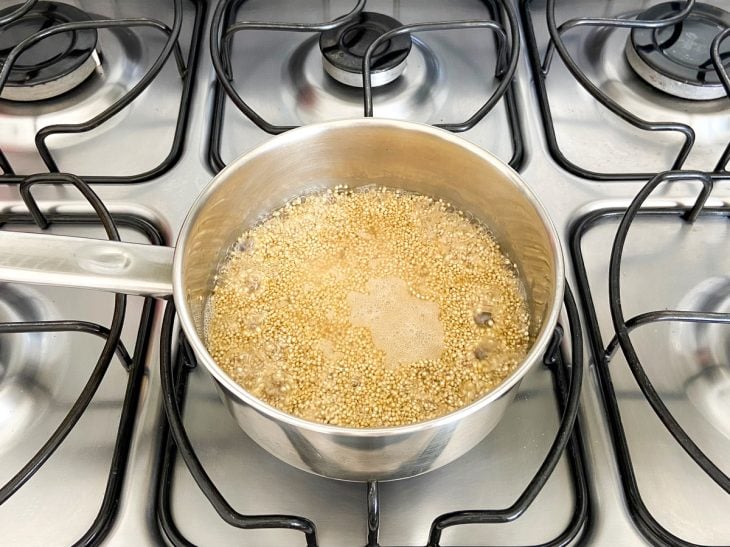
(113, 266)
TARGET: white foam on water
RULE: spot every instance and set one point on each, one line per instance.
(404, 327)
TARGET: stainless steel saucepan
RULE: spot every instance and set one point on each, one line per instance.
(359, 152)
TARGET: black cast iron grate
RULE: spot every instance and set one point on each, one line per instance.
(185, 65)
(224, 27)
(133, 364)
(644, 520)
(541, 71)
(176, 362)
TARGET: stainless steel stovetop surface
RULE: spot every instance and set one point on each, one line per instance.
(281, 78)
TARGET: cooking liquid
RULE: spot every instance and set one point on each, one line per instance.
(403, 327)
(368, 308)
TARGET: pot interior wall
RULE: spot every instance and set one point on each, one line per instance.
(360, 153)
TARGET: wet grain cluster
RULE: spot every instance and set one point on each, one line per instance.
(368, 308)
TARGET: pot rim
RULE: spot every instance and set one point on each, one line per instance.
(233, 389)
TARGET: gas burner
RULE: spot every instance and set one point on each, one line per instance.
(343, 49)
(676, 59)
(24, 382)
(703, 350)
(54, 65)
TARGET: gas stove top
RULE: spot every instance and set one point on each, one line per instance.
(615, 117)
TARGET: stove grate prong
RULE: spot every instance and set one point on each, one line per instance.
(221, 44)
(173, 394)
(717, 61)
(622, 328)
(111, 344)
(373, 514)
(171, 46)
(562, 439)
(621, 22)
(18, 13)
(605, 100)
(446, 25)
(68, 326)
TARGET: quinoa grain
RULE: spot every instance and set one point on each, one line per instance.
(288, 317)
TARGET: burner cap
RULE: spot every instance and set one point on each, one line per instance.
(676, 59)
(52, 66)
(343, 50)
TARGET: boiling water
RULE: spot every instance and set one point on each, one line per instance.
(368, 308)
(402, 326)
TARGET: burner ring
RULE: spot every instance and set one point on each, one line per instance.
(676, 59)
(54, 65)
(343, 50)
